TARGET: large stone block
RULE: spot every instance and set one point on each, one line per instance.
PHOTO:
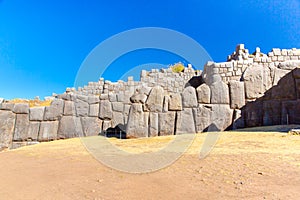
(185, 121)
(82, 108)
(55, 110)
(94, 110)
(7, 106)
(36, 113)
(290, 112)
(202, 116)
(7, 124)
(69, 109)
(153, 124)
(219, 93)
(253, 114)
(237, 94)
(203, 93)
(117, 119)
(117, 106)
(21, 108)
(137, 125)
(257, 81)
(175, 102)
(48, 131)
(33, 131)
(105, 111)
(91, 126)
(222, 117)
(189, 97)
(106, 125)
(166, 123)
(285, 89)
(271, 112)
(93, 99)
(21, 127)
(166, 103)
(70, 127)
(138, 98)
(155, 100)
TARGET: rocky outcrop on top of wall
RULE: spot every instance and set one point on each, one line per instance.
(247, 90)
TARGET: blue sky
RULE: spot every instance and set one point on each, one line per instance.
(43, 43)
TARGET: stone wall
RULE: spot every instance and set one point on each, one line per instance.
(247, 90)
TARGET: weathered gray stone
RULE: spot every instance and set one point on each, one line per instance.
(83, 98)
(203, 93)
(257, 81)
(112, 97)
(21, 127)
(237, 94)
(55, 110)
(7, 106)
(271, 112)
(166, 103)
(21, 108)
(175, 102)
(221, 117)
(153, 124)
(82, 108)
(105, 111)
(189, 97)
(36, 113)
(137, 125)
(94, 110)
(91, 126)
(69, 109)
(106, 125)
(104, 97)
(144, 90)
(33, 131)
(117, 119)
(48, 131)
(138, 98)
(118, 106)
(289, 65)
(70, 127)
(93, 99)
(253, 114)
(155, 100)
(166, 123)
(202, 116)
(185, 121)
(278, 74)
(219, 93)
(7, 123)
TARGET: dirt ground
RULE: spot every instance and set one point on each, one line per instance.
(242, 165)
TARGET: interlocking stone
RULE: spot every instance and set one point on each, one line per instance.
(185, 122)
(7, 123)
(155, 100)
(91, 126)
(21, 108)
(189, 97)
(36, 113)
(21, 127)
(70, 127)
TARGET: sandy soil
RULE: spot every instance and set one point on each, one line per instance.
(242, 165)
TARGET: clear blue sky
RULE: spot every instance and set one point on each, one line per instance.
(43, 43)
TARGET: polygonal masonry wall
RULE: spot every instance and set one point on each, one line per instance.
(247, 90)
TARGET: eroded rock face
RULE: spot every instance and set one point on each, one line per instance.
(33, 131)
(153, 124)
(219, 93)
(155, 100)
(21, 127)
(202, 116)
(21, 108)
(175, 102)
(7, 122)
(37, 113)
(166, 123)
(105, 112)
(189, 97)
(48, 131)
(91, 126)
(54, 111)
(82, 108)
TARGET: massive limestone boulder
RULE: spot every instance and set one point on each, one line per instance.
(185, 122)
(94, 110)
(138, 98)
(33, 131)
(237, 94)
(48, 131)
(203, 93)
(117, 106)
(221, 117)
(175, 102)
(55, 110)
(21, 108)
(166, 123)
(91, 126)
(257, 80)
(82, 108)
(189, 97)
(7, 122)
(117, 119)
(93, 99)
(70, 127)
(202, 116)
(7, 106)
(21, 127)
(278, 74)
(210, 73)
(137, 125)
(155, 100)
(153, 124)
(69, 109)
(37, 113)
(219, 93)
(285, 89)
(105, 111)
